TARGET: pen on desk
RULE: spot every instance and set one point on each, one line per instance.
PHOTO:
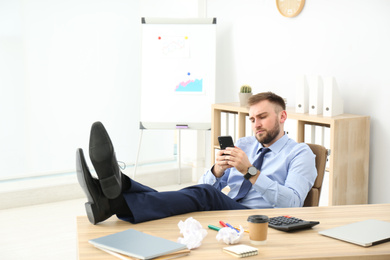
(247, 231)
(214, 227)
(227, 224)
(222, 223)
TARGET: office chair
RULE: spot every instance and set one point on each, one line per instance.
(313, 197)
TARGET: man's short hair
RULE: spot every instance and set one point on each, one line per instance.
(271, 97)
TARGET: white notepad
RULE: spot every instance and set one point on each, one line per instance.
(241, 250)
(364, 233)
(137, 244)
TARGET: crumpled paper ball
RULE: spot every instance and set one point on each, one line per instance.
(230, 236)
(193, 233)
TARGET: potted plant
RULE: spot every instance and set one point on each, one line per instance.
(245, 94)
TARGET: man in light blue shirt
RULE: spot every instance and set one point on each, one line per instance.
(287, 174)
(288, 171)
(283, 179)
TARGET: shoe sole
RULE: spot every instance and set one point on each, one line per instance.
(103, 159)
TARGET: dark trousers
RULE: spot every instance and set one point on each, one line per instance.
(146, 203)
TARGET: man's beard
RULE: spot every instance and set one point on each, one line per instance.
(269, 135)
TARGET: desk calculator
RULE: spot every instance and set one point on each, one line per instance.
(288, 223)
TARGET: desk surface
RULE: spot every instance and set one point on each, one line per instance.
(304, 244)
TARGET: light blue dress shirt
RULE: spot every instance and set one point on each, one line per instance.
(287, 175)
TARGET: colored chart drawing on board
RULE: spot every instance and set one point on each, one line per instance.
(190, 86)
(174, 46)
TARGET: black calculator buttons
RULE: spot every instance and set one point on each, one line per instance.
(288, 223)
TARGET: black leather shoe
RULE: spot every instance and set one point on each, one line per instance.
(97, 207)
(102, 155)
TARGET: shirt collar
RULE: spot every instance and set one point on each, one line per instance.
(277, 146)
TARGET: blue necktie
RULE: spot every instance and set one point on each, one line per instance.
(246, 184)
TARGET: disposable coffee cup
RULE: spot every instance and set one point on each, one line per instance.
(258, 229)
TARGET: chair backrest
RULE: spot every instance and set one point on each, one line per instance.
(313, 197)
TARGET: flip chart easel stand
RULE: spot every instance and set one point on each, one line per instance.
(178, 154)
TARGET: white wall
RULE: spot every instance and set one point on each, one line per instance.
(64, 65)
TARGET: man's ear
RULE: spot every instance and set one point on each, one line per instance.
(283, 116)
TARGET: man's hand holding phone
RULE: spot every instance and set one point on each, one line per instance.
(229, 156)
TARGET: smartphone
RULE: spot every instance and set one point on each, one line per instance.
(225, 141)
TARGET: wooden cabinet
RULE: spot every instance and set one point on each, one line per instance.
(349, 148)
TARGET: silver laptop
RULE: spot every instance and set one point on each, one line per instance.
(364, 233)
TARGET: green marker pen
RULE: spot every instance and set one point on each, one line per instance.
(214, 227)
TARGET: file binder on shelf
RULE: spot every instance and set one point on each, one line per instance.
(290, 127)
(333, 103)
(310, 134)
(302, 95)
(315, 95)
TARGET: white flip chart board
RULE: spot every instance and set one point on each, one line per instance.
(178, 73)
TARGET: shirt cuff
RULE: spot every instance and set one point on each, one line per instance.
(209, 177)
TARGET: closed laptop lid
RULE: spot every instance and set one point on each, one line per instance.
(364, 233)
